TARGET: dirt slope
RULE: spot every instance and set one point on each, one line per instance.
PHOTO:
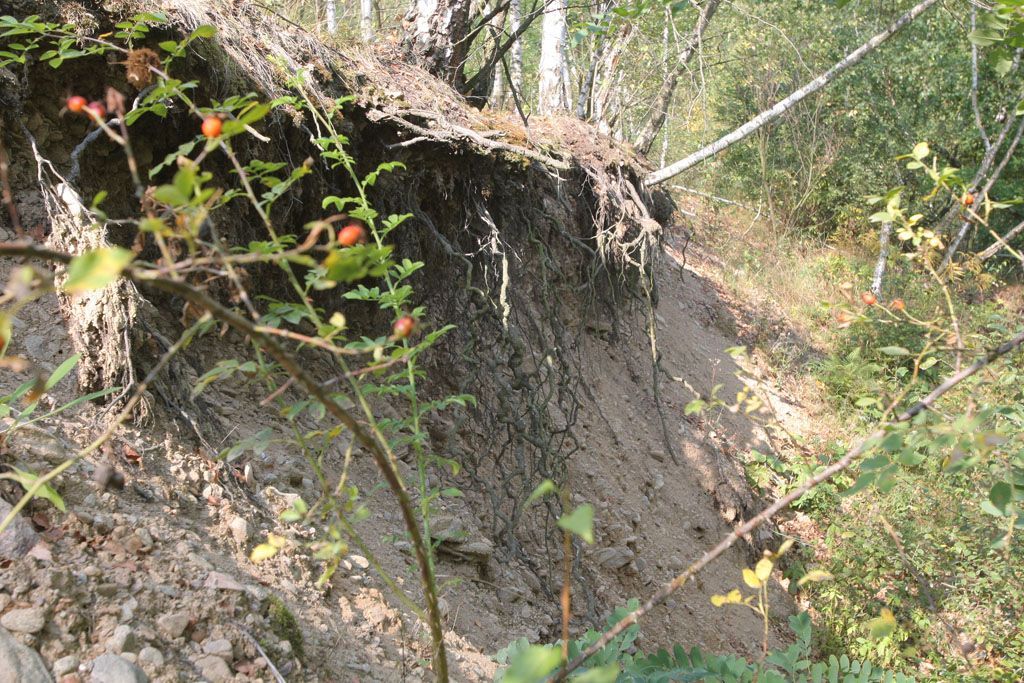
(156, 571)
(173, 543)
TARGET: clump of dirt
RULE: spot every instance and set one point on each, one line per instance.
(545, 252)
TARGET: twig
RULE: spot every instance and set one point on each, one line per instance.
(266, 657)
(835, 468)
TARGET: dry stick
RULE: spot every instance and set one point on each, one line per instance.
(1003, 241)
(835, 468)
(782, 107)
(293, 368)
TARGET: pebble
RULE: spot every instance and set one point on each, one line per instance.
(219, 648)
(214, 669)
(239, 529)
(359, 561)
(20, 664)
(613, 558)
(123, 639)
(18, 538)
(151, 658)
(27, 620)
(113, 669)
(172, 625)
(65, 665)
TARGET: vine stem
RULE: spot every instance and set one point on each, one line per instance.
(832, 470)
(314, 388)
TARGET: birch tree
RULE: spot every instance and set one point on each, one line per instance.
(552, 86)
(789, 102)
(366, 19)
(331, 10)
(437, 37)
(659, 112)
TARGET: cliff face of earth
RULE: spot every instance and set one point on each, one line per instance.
(581, 330)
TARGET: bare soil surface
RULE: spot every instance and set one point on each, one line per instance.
(157, 571)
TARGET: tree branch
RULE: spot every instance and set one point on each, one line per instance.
(835, 468)
(782, 107)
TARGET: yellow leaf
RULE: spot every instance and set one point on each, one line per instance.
(814, 575)
(276, 541)
(763, 569)
(733, 598)
(264, 551)
(783, 549)
(750, 578)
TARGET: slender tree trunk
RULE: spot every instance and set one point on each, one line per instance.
(332, 16)
(366, 19)
(883, 258)
(515, 67)
(782, 107)
(659, 111)
(551, 92)
(437, 39)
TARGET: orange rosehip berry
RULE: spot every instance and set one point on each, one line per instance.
(898, 305)
(76, 104)
(869, 298)
(96, 109)
(212, 126)
(404, 326)
(351, 234)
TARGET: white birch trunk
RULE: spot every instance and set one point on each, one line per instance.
(332, 16)
(782, 107)
(883, 258)
(551, 90)
(366, 19)
(515, 66)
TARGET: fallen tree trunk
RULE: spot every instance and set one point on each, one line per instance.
(769, 115)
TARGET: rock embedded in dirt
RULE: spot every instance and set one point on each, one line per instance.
(613, 558)
(18, 538)
(110, 668)
(122, 640)
(239, 530)
(27, 620)
(151, 658)
(65, 665)
(20, 664)
(214, 669)
(220, 647)
(173, 625)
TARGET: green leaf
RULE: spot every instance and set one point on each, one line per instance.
(882, 625)
(532, 664)
(544, 488)
(580, 522)
(602, 674)
(28, 479)
(1000, 496)
(204, 31)
(815, 575)
(894, 351)
(96, 269)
